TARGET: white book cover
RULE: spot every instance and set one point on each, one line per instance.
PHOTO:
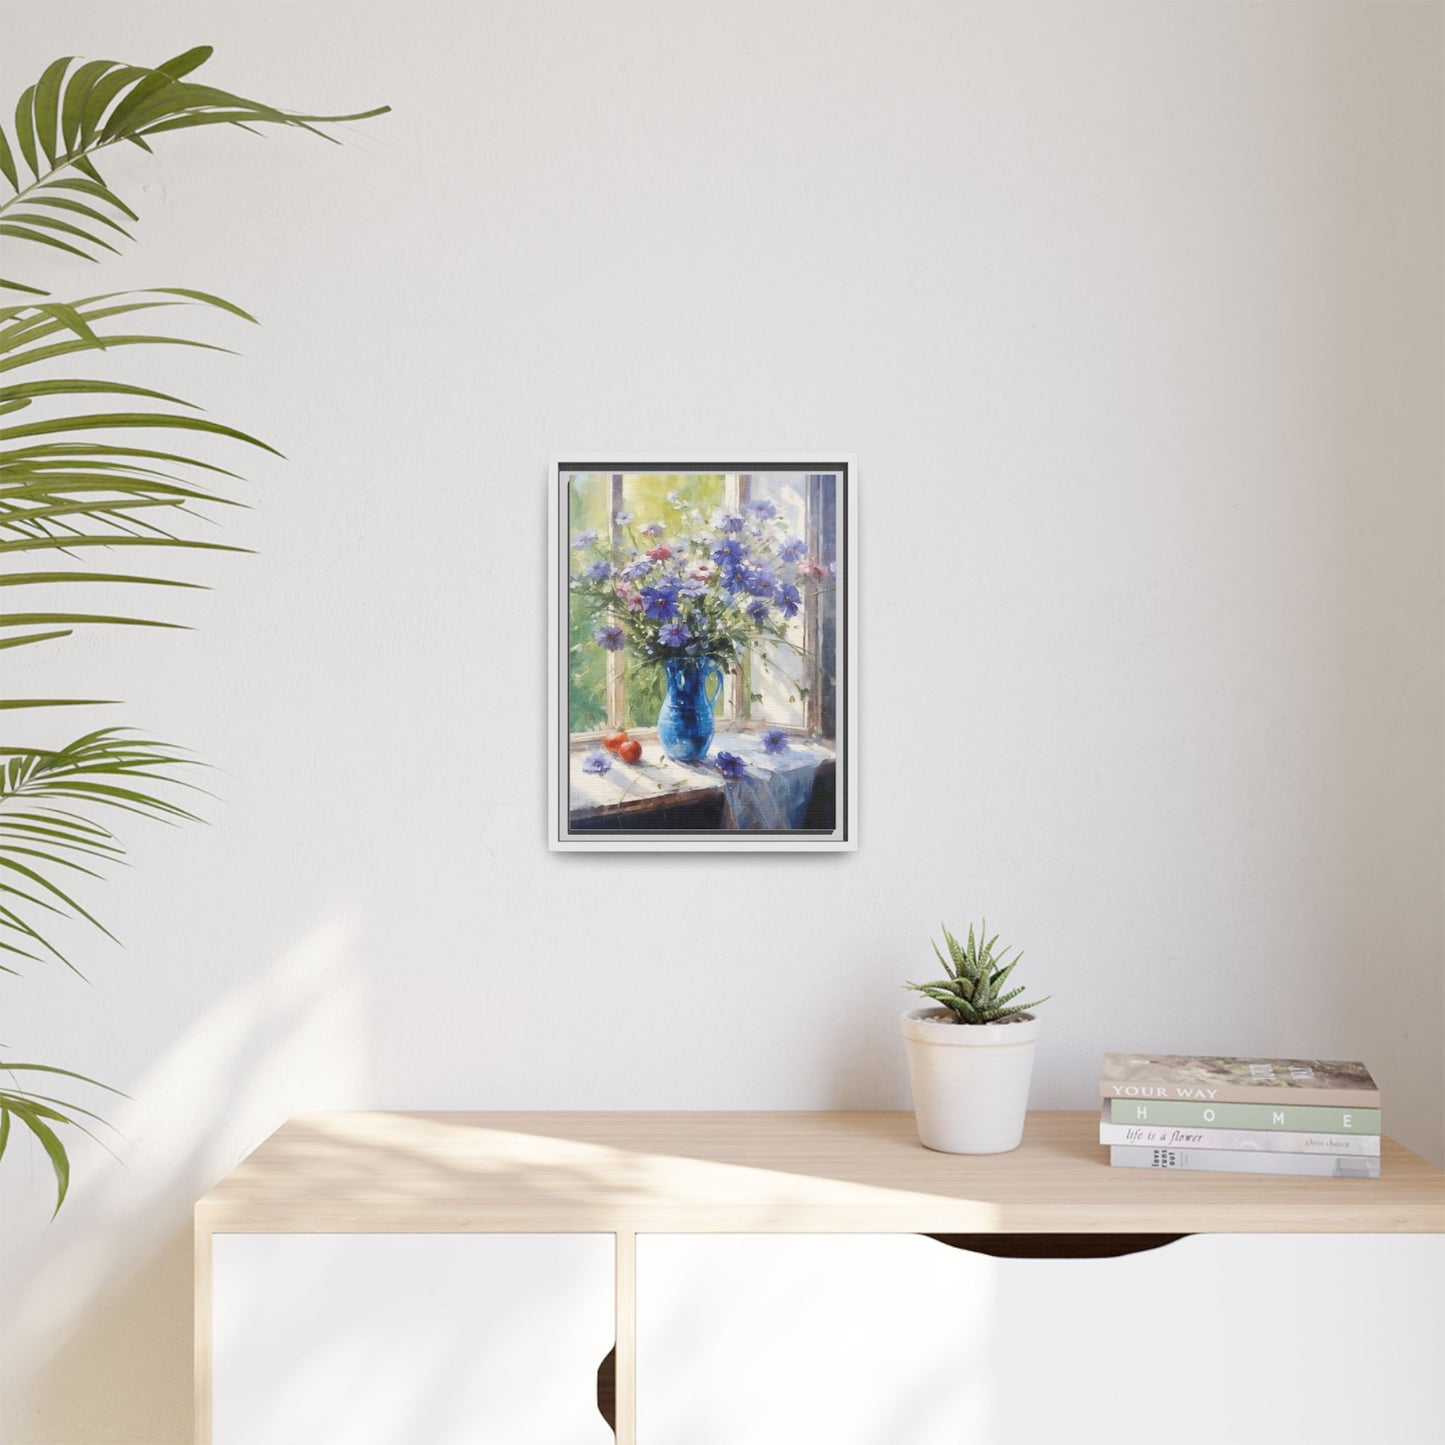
(1262, 1141)
(1234, 1161)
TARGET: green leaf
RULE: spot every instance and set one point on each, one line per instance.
(152, 84)
(78, 208)
(1004, 972)
(29, 1096)
(102, 93)
(16, 704)
(50, 1142)
(77, 89)
(25, 851)
(32, 389)
(960, 958)
(8, 1067)
(24, 233)
(66, 542)
(47, 108)
(60, 317)
(42, 480)
(30, 638)
(67, 348)
(25, 130)
(117, 420)
(28, 579)
(187, 61)
(54, 223)
(7, 161)
(55, 890)
(205, 297)
(967, 1011)
(100, 192)
(948, 967)
(20, 286)
(77, 619)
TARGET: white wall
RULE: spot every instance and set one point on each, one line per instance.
(1132, 315)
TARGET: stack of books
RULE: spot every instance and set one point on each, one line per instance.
(1241, 1116)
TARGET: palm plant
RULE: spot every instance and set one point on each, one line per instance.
(75, 484)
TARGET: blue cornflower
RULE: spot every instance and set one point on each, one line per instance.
(674, 634)
(598, 571)
(758, 611)
(763, 509)
(775, 740)
(637, 569)
(622, 518)
(597, 763)
(788, 598)
(584, 539)
(653, 529)
(692, 589)
(610, 638)
(729, 552)
(758, 581)
(794, 549)
(660, 602)
(730, 765)
(728, 522)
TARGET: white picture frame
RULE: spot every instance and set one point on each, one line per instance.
(658, 804)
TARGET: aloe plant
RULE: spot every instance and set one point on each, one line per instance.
(974, 987)
(77, 484)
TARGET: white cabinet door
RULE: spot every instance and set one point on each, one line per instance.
(900, 1340)
(410, 1339)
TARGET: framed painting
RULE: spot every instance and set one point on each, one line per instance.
(703, 615)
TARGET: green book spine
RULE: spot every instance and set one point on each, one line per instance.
(1306, 1118)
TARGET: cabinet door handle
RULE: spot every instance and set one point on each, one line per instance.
(607, 1389)
(1056, 1246)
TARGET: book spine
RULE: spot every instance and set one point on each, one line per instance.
(1240, 1094)
(1296, 1118)
(1231, 1161)
(1265, 1141)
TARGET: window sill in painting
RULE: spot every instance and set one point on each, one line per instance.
(658, 783)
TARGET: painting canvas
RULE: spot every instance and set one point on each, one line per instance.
(702, 679)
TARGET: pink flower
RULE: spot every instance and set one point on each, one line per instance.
(634, 602)
(661, 552)
(816, 570)
(703, 572)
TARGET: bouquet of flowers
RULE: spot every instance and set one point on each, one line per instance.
(704, 588)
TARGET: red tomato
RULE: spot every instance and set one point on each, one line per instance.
(613, 741)
(630, 751)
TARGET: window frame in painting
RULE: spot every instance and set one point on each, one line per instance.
(561, 835)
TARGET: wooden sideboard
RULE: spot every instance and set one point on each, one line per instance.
(607, 1187)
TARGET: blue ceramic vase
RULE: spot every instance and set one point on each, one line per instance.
(684, 725)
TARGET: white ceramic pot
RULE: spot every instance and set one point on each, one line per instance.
(970, 1081)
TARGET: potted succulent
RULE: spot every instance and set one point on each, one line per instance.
(971, 1057)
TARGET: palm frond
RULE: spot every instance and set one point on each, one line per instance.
(74, 482)
(74, 111)
(41, 1113)
(64, 490)
(110, 769)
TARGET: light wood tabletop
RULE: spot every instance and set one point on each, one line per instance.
(832, 1172)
